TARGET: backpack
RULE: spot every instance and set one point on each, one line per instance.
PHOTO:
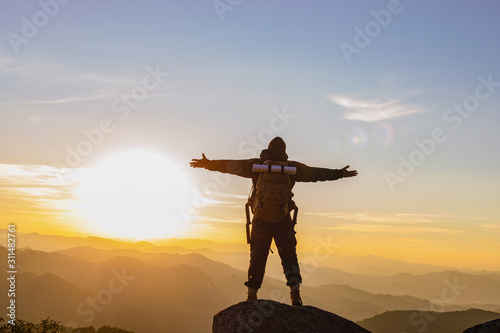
(271, 197)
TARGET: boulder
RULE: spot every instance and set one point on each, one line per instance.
(262, 316)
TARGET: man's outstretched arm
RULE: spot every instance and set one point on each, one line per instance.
(242, 168)
(313, 174)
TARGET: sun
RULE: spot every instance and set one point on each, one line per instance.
(134, 195)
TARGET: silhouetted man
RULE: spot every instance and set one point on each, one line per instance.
(273, 178)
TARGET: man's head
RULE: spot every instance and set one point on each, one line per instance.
(275, 151)
(277, 144)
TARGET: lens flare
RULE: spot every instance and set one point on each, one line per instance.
(383, 133)
(358, 138)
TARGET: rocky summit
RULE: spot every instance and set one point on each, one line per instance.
(263, 316)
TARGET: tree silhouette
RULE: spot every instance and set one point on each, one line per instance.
(89, 329)
(20, 326)
(108, 329)
(48, 325)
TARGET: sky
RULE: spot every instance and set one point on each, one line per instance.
(104, 103)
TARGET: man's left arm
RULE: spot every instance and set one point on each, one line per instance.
(313, 174)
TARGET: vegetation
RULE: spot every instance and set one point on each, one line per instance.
(48, 325)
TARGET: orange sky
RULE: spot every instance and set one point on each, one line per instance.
(48, 200)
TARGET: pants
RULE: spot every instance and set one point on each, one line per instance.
(284, 238)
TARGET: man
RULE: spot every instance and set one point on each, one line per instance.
(272, 218)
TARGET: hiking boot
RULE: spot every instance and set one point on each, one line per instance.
(252, 294)
(295, 298)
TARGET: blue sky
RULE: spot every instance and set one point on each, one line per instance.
(227, 80)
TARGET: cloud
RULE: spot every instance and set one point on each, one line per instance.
(380, 218)
(370, 228)
(232, 195)
(490, 227)
(223, 199)
(60, 100)
(69, 84)
(35, 191)
(8, 65)
(24, 71)
(35, 187)
(29, 175)
(411, 241)
(201, 218)
(393, 223)
(370, 110)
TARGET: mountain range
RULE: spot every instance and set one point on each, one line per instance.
(428, 322)
(145, 287)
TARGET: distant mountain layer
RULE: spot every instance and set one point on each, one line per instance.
(428, 322)
(337, 294)
(123, 291)
(156, 292)
(87, 270)
(235, 254)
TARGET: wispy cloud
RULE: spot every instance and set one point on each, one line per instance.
(37, 186)
(490, 227)
(7, 65)
(372, 110)
(200, 218)
(380, 218)
(74, 84)
(411, 241)
(25, 71)
(221, 199)
(60, 100)
(34, 191)
(370, 228)
(232, 195)
(30, 175)
(400, 223)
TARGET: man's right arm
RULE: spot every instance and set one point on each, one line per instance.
(242, 168)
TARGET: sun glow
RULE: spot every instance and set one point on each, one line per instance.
(133, 195)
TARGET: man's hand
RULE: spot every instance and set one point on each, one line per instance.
(347, 173)
(201, 163)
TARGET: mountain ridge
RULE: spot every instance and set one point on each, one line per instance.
(428, 321)
(209, 248)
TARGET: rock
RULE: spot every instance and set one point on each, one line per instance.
(263, 316)
(489, 327)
